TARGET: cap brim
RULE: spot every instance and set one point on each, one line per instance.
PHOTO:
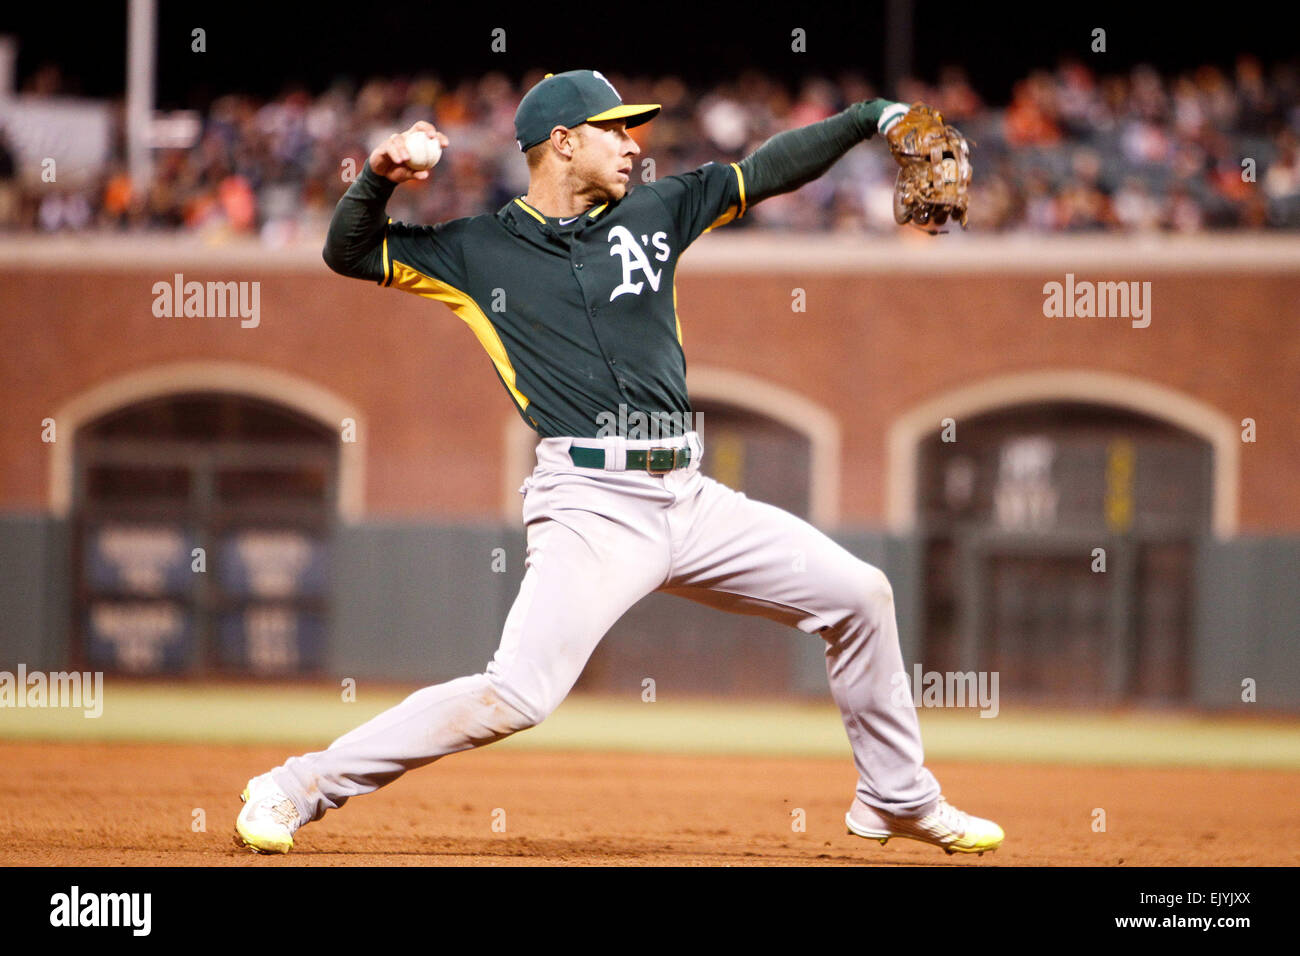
(635, 114)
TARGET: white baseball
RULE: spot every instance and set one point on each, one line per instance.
(424, 149)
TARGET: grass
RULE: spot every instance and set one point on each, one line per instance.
(310, 716)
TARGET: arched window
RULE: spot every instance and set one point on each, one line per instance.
(1058, 541)
(202, 524)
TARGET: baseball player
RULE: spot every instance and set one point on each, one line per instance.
(570, 290)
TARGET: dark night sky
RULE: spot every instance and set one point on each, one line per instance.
(262, 47)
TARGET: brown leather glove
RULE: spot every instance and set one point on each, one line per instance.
(934, 175)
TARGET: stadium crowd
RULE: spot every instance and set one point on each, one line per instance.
(1072, 151)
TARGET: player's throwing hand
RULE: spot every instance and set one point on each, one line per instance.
(390, 157)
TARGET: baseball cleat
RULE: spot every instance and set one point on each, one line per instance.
(945, 826)
(269, 818)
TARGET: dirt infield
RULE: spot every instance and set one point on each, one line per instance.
(134, 805)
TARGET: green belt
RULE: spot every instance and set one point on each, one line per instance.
(657, 461)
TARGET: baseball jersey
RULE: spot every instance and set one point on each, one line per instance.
(578, 315)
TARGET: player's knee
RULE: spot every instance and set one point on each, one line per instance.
(515, 709)
(874, 592)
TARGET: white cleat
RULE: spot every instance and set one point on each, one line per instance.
(945, 826)
(269, 818)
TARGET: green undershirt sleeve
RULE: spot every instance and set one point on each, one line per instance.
(789, 160)
(354, 243)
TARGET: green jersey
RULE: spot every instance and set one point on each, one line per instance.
(579, 315)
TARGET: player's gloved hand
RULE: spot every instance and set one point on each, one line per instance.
(934, 168)
(390, 156)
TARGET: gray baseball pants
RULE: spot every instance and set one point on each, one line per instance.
(598, 542)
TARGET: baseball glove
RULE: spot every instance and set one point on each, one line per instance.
(934, 175)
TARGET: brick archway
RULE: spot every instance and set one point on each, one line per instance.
(299, 394)
(1101, 388)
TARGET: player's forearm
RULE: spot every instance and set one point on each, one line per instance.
(354, 244)
(789, 160)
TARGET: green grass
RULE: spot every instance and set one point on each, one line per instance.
(309, 717)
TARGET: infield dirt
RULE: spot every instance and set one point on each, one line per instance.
(134, 805)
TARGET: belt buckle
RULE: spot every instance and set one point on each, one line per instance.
(649, 459)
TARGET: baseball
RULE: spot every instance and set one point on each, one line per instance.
(424, 149)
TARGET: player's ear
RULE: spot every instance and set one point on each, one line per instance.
(564, 140)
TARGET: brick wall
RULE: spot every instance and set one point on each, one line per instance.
(881, 334)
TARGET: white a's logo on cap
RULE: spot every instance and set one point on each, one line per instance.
(601, 76)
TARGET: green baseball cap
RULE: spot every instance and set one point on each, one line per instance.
(569, 100)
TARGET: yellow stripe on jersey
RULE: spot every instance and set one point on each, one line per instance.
(733, 211)
(412, 280)
(677, 317)
(725, 218)
(540, 218)
(531, 211)
(740, 181)
(387, 276)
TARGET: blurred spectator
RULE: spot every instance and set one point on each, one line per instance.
(1282, 183)
(1147, 98)
(1082, 206)
(996, 205)
(1282, 180)
(9, 197)
(1077, 100)
(956, 98)
(118, 200)
(1040, 211)
(63, 210)
(1144, 142)
(817, 101)
(1257, 108)
(1189, 111)
(1218, 97)
(1031, 117)
(724, 121)
(1182, 213)
(1135, 208)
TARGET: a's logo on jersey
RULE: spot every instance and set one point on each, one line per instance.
(635, 260)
